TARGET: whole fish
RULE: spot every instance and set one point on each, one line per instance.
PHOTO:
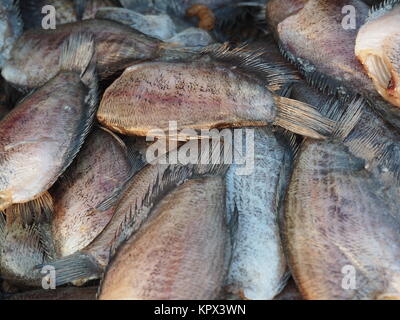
(341, 227)
(23, 247)
(36, 54)
(99, 171)
(145, 189)
(362, 130)
(34, 12)
(41, 136)
(254, 199)
(180, 253)
(11, 27)
(319, 36)
(220, 88)
(378, 49)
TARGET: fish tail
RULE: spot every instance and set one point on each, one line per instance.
(77, 53)
(301, 118)
(37, 210)
(75, 267)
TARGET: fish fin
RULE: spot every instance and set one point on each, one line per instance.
(301, 118)
(381, 8)
(80, 7)
(77, 52)
(168, 178)
(349, 117)
(250, 61)
(77, 266)
(37, 210)
(314, 78)
(78, 55)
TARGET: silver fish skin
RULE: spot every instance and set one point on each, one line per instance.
(11, 28)
(258, 268)
(340, 220)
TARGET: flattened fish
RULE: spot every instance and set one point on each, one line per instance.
(180, 253)
(98, 172)
(41, 136)
(36, 54)
(341, 227)
(220, 88)
(258, 268)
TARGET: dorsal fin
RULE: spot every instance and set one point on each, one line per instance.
(250, 61)
(380, 9)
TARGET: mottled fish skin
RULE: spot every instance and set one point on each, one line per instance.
(179, 254)
(327, 60)
(35, 55)
(254, 200)
(21, 249)
(220, 88)
(10, 27)
(42, 134)
(378, 49)
(340, 220)
(100, 169)
(371, 138)
(71, 293)
(150, 95)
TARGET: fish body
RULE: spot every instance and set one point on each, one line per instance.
(99, 170)
(258, 267)
(180, 253)
(378, 49)
(341, 227)
(36, 54)
(42, 134)
(206, 93)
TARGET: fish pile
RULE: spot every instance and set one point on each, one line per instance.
(118, 125)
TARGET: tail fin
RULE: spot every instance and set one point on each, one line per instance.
(77, 53)
(78, 266)
(301, 118)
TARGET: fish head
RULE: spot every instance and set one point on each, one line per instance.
(378, 49)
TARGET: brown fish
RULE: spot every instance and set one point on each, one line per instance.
(220, 88)
(99, 170)
(341, 227)
(41, 136)
(145, 189)
(319, 38)
(179, 254)
(36, 54)
(378, 49)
